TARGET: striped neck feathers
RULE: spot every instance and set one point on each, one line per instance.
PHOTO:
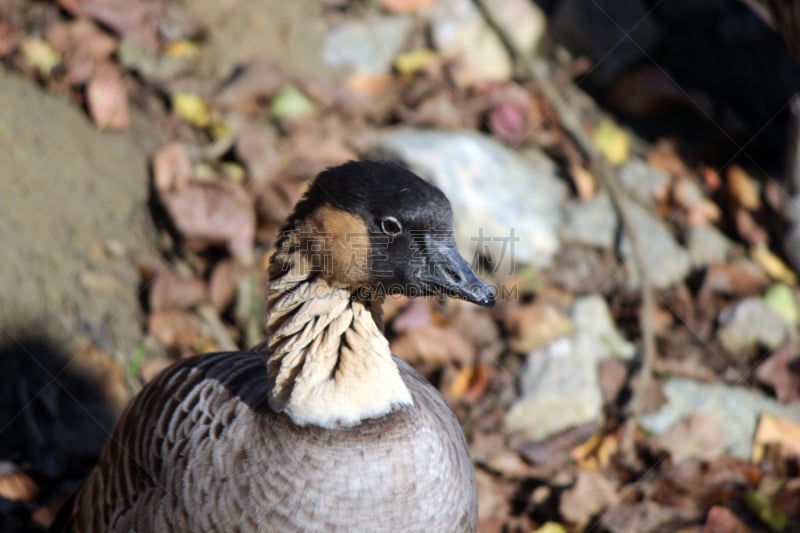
(329, 363)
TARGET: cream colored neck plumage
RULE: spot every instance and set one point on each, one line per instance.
(329, 364)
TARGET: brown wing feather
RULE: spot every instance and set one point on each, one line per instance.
(199, 450)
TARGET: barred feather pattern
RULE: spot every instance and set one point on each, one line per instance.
(200, 449)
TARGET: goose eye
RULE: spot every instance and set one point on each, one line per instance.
(391, 226)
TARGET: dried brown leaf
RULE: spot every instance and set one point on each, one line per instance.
(469, 384)
(153, 366)
(788, 498)
(171, 291)
(612, 373)
(405, 6)
(641, 516)
(415, 315)
(260, 154)
(781, 371)
(536, 325)
(224, 282)
(259, 80)
(84, 47)
(583, 180)
(175, 329)
(774, 430)
(491, 498)
(748, 229)
(592, 493)
(739, 278)
(172, 168)
(722, 520)
(434, 345)
(698, 436)
(206, 214)
(107, 100)
(555, 450)
(743, 188)
(132, 20)
(665, 156)
(18, 486)
(9, 38)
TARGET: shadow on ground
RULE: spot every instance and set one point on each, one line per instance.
(53, 423)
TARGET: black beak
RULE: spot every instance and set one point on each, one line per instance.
(447, 273)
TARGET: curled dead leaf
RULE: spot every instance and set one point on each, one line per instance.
(175, 329)
(774, 430)
(434, 345)
(781, 371)
(591, 494)
(583, 180)
(172, 168)
(773, 265)
(132, 20)
(171, 291)
(722, 520)
(743, 188)
(8, 39)
(18, 486)
(405, 6)
(698, 436)
(107, 100)
(84, 47)
(469, 384)
(533, 326)
(224, 282)
(206, 214)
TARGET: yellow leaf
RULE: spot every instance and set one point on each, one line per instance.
(584, 181)
(774, 430)
(292, 104)
(192, 109)
(743, 188)
(234, 172)
(40, 55)
(612, 142)
(781, 299)
(183, 49)
(460, 383)
(415, 61)
(773, 265)
(551, 527)
(219, 129)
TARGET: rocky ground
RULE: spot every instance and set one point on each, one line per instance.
(618, 170)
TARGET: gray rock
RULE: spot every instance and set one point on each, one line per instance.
(750, 323)
(493, 189)
(707, 245)
(366, 46)
(736, 409)
(459, 31)
(73, 223)
(591, 315)
(595, 223)
(559, 387)
(613, 34)
(665, 261)
(523, 21)
(643, 182)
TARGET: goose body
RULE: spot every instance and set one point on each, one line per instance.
(320, 428)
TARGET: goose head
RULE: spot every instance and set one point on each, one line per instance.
(377, 228)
